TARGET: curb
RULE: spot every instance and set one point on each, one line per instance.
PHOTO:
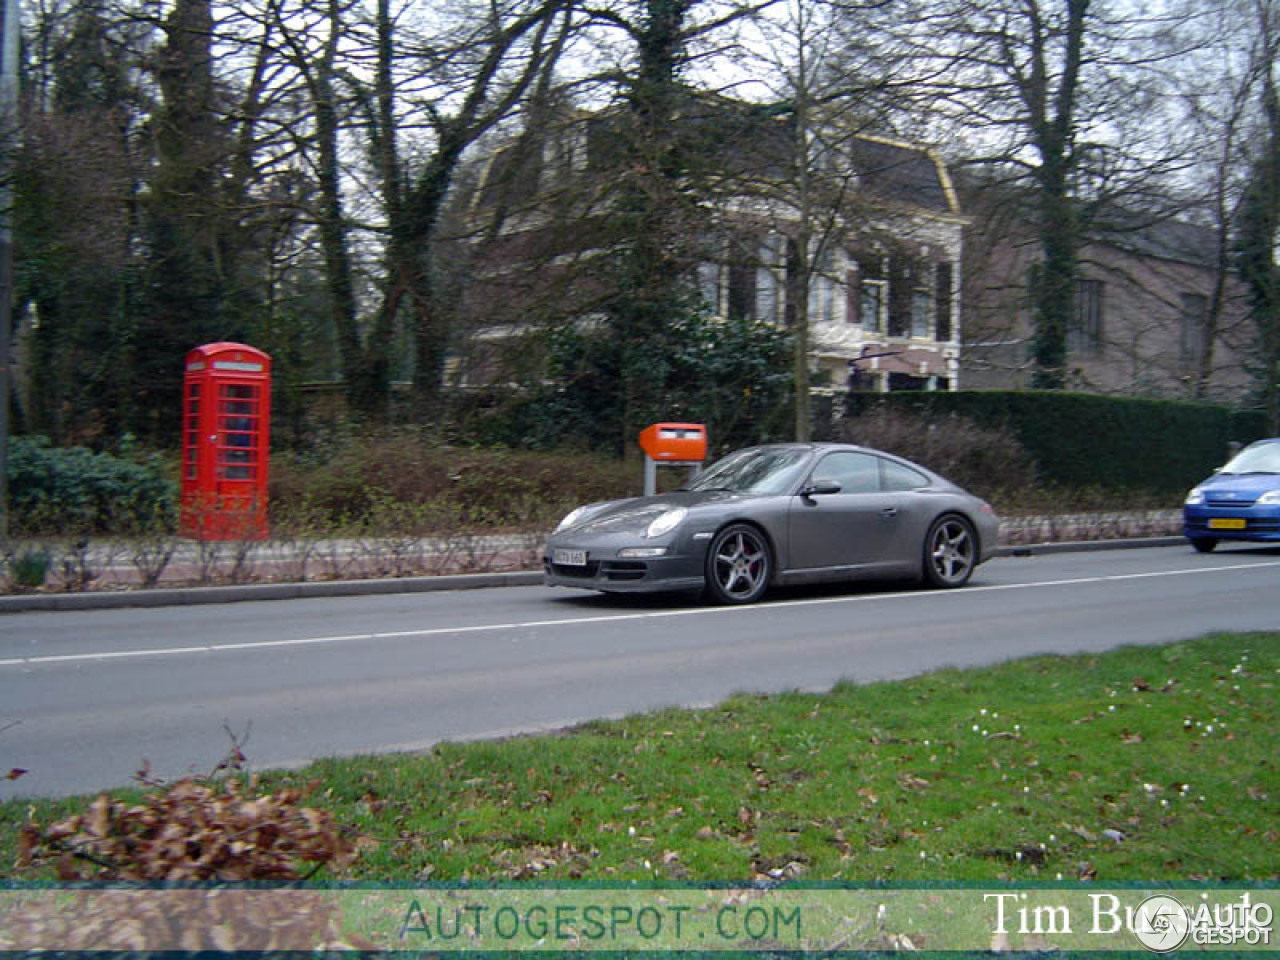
(192, 596)
(1086, 546)
(185, 596)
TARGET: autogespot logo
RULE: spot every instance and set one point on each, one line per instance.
(1161, 923)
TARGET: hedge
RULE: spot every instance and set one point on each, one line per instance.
(1084, 440)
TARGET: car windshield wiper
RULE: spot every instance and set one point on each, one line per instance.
(1257, 473)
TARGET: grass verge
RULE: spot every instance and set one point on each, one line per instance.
(1143, 764)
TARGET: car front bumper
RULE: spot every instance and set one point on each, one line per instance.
(1260, 524)
(615, 574)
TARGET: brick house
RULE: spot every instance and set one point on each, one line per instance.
(884, 301)
(1155, 313)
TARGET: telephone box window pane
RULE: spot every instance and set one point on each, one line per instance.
(236, 391)
(239, 439)
(244, 407)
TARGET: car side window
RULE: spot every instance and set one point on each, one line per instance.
(855, 472)
(897, 476)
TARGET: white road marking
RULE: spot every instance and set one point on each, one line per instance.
(916, 595)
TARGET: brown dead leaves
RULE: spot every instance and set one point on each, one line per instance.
(181, 845)
(193, 831)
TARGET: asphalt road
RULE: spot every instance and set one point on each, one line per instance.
(86, 696)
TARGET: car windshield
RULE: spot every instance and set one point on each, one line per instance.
(756, 470)
(1259, 458)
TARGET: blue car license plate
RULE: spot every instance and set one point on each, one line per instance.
(1227, 523)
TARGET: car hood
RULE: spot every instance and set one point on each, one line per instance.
(1244, 486)
(616, 516)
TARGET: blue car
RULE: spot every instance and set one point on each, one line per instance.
(1239, 502)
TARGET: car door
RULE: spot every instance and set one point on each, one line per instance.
(852, 527)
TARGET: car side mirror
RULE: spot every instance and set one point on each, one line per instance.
(820, 487)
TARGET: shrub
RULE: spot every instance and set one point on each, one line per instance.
(497, 488)
(74, 490)
(988, 461)
(29, 568)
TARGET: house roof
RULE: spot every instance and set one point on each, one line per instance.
(726, 139)
(1167, 239)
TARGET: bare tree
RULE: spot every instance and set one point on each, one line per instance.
(1060, 93)
(1259, 219)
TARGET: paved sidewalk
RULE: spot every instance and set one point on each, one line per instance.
(284, 570)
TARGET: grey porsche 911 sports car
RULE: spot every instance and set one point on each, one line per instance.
(779, 514)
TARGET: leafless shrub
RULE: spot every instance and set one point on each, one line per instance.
(296, 532)
(987, 461)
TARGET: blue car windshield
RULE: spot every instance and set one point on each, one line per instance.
(764, 470)
(1258, 458)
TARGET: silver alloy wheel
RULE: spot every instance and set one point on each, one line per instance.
(949, 552)
(738, 565)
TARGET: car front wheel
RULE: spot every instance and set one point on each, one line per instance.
(1204, 544)
(738, 565)
(950, 552)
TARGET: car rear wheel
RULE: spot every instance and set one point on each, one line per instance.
(1204, 544)
(738, 565)
(950, 552)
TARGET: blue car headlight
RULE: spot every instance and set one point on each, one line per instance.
(1195, 497)
(666, 522)
(1269, 499)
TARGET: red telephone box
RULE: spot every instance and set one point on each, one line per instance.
(226, 410)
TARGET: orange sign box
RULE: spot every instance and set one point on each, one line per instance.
(675, 442)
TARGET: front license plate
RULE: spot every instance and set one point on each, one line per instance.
(569, 558)
(1227, 523)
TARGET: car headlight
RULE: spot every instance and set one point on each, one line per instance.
(1269, 499)
(666, 522)
(1194, 497)
(572, 517)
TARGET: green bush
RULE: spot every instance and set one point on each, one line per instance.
(72, 490)
(29, 569)
(1083, 441)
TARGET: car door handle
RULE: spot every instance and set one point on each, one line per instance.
(889, 512)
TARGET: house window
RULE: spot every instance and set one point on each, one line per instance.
(942, 301)
(709, 285)
(769, 292)
(871, 305)
(742, 290)
(921, 313)
(901, 287)
(867, 293)
(1084, 332)
(904, 381)
(822, 290)
(1195, 315)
